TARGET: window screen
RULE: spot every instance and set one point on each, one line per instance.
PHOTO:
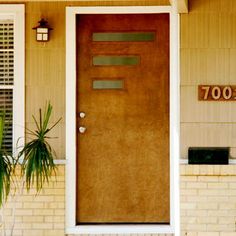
(7, 78)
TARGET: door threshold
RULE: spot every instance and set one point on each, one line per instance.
(121, 229)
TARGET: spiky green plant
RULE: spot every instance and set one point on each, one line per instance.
(5, 165)
(38, 165)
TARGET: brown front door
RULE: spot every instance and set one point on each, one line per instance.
(123, 119)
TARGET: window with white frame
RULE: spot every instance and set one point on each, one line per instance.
(12, 73)
(7, 78)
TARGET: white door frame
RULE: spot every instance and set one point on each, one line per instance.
(71, 227)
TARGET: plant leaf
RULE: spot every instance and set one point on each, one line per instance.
(6, 165)
(38, 155)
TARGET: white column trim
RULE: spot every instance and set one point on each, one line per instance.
(71, 227)
(175, 120)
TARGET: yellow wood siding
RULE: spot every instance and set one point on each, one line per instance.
(208, 56)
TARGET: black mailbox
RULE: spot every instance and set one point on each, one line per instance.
(208, 155)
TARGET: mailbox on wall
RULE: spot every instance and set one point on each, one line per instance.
(208, 155)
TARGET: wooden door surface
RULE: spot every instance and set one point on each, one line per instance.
(123, 119)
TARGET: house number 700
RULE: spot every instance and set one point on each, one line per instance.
(216, 93)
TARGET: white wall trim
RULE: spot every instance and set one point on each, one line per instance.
(17, 13)
(120, 229)
(174, 119)
(60, 162)
(71, 227)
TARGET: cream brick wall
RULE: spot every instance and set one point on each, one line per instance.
(37, 215)
(208, 200)
(208, 205)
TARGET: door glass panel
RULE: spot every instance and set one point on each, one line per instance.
(108, 84)
(124, 37)
(116, 60)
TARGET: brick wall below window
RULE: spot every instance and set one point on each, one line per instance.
(208, 200)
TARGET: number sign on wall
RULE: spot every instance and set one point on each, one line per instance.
(217, 93)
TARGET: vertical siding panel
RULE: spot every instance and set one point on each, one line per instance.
(199, 6)
(185, 66)
(198, 66)
(233, 30)
(214, 6)
(198, 30)
(214, 30)
(225, 30)
(223, 66)
(233, 6)
(226, 6)
(211, 74)
(184, 35)
(232, 65)
(218, 66)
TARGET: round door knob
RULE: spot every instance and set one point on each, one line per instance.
(82, 129)
(82, 114)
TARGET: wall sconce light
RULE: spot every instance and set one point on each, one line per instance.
(42, 31)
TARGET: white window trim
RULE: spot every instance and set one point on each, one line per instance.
(71, 227)
(17, 13)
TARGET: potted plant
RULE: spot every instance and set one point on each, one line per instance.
(6, 164)
(37, 155)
